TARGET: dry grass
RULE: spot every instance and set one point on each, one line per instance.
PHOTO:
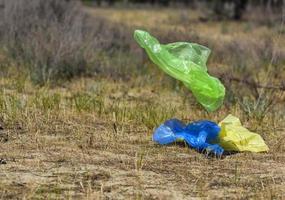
(91, 137)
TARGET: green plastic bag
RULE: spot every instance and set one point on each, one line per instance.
(187, 63)
(234, 137)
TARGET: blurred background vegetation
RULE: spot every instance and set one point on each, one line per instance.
(232, 9)
(52, 41)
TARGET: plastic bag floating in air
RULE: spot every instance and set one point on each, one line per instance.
(187, 63)
(201, 135)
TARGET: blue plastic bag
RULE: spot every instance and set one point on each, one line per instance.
(200, 135)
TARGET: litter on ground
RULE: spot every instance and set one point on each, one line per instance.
(207, 136)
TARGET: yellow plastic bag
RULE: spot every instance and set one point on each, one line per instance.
(234, 137)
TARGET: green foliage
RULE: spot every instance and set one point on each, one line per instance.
(258, 108)
(148, 115)
(87, 102)
(47, 102)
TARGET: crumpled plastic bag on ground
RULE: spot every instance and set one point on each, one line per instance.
(187, 63)
(234, 137)
(208, 136)
(201, 135)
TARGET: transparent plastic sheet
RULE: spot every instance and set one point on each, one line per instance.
(185, 62)
(201, 135)
(234, 137)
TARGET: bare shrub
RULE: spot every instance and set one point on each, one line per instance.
(47, 36)
(55, 39)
